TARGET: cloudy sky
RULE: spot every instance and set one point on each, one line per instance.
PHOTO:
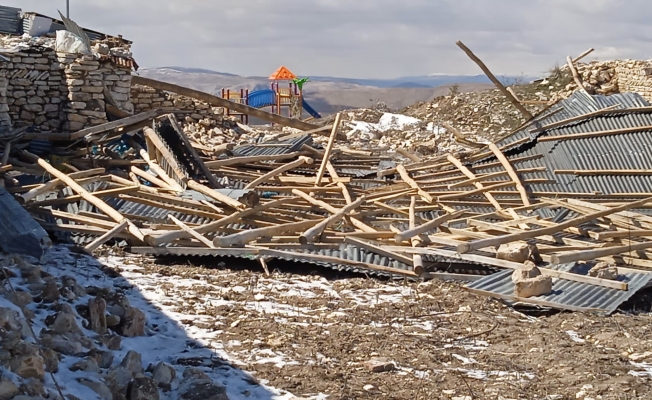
(365, 38)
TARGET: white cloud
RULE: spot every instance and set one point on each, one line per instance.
(364, 38)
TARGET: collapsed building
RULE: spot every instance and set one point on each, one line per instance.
(95, 153)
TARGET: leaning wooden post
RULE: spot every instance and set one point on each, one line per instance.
(496, 82)
(310, 234)
(576, 76)
(581, 56)
(283, 168)
(327, 151)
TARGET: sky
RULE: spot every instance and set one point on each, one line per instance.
(365, 38)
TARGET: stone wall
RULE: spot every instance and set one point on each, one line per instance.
(610, 77)
(60, 91)
(200, 119)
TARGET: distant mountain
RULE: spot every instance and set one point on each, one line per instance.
(331, 94)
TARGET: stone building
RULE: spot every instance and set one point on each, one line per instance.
(53, 88)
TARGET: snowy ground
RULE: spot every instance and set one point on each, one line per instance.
(313, 336)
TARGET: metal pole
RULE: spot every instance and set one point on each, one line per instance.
(67, 8)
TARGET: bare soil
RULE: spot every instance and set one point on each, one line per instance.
(311, 335)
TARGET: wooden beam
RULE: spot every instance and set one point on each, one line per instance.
(581, 56)
(106, 237)
(309, 235)
(428, 226)
(54, 183)
(457, 163)
(479, 244)
(495, 81)
(275, 172)
(327, 151)
(220, 102)
(89, 133)
(592, 254)
(512, 174)
(405, 176)
(354, 221)
(250, 159)
(244, 237)
(191, 231)
(582, 117)
(576, 76)
(600, 172)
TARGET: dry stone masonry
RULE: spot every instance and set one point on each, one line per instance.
(57, 91)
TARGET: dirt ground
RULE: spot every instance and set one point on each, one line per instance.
(313, 336)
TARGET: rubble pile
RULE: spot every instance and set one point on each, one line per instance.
(610, 77)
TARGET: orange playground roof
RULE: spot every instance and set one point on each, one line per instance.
(282, 74)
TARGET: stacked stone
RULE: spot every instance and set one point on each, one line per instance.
(635, 76)
(85, 104)
(5, 120)
(118, 82)
(33, 91)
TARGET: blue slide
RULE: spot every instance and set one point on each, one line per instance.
(267, 97)
(309, 109)
(262, 98)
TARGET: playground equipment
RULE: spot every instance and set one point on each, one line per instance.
(277, 97)
(240, 97)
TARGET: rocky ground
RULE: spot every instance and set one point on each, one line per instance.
(139, 328)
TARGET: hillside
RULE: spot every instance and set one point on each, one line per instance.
(327, 94)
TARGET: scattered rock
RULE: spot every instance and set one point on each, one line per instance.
(8, 388)
(529, 282)
(21, 299)
(33, 387)
(518, 252)
(103, 358)
(88, 364)
(112, 320)
(65, 323)
(97, 313)
(62, 344)
(604, 270)
(143, 388)
(133, 323)
(379, 365)
(202, 389)
(132, 362)
(50, 293)
(112, 342)
(51, 360)
(118, 380)
(98, 387)
(30, 366)
(164, 374)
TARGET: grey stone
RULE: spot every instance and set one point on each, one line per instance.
(143, 388)
(164, 374)
(88, 364)
(202, 389)
(97, 310)
(98, 387)
(132, 362)
(65, 323)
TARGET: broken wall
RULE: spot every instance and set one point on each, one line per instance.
(60, 91)
(198, 117)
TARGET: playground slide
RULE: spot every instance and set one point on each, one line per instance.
(310, 110)
(262, 98)
(267, 97)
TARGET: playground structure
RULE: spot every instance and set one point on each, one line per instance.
(277, 97)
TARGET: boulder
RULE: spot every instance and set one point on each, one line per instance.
(28, 366)
(377, 364)
(143, 388)
(134, 323)
(8, 388)
(118, 380)
(529, 282)
(50, 293)
(97, 313)
(164, 374)
(64, 323)
(604, 270)
(98, 387)
(518, 252)
(202, 389)
(132, 362)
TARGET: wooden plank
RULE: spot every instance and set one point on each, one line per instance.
(405, 176)
(214, 194)
(101, 205)
(76, 197)
(592, 254)
(220, 102)
(149, 177)
(88, 133)
(510, 170)
(106, 237)
(526, 114)
(458, 164)
(378, 250)
(600, 172)
(250, 159)
(581, 56)
(430, 225)
(479, 244)
(512, 265)
(327, 151)
(481, 190)
(354, 221)
(54, 183)
(242, 238)
(191, 231)
(577, 118)
(311, 233)
(277, 171)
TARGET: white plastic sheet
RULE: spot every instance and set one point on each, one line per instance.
(68, 42)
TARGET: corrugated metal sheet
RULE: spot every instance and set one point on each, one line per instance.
(58, 25)
(10, 21)
(20, 233)
(567, 295)
(285, 147)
